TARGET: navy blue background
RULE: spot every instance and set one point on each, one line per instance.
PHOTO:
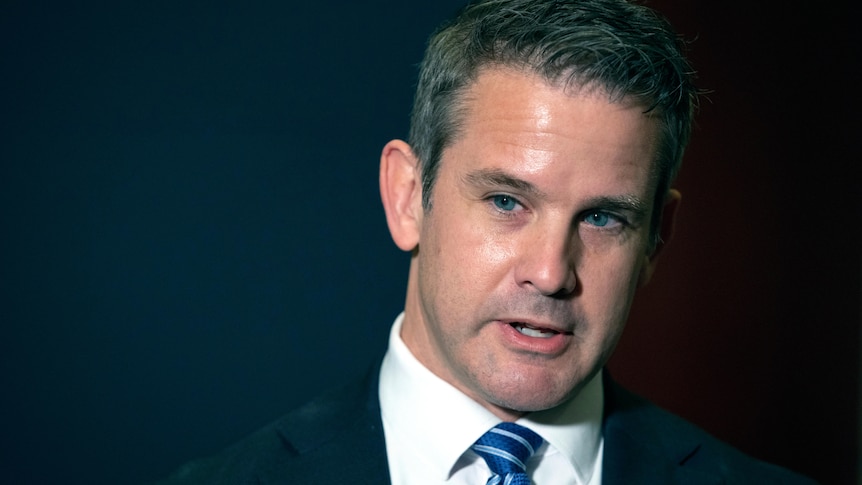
(192, 240)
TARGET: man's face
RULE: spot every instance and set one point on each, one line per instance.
(528, 260)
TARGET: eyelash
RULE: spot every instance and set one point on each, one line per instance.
(611, 217)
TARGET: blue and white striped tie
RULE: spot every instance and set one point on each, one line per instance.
(506, 448)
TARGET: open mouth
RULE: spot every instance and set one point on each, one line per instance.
(530, 331)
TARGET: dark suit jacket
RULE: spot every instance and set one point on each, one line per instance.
(338, 439)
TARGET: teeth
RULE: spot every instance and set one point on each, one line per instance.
(532, 332)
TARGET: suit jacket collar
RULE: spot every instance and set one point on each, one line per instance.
(339, 439)
(336, 439)
(641, 449)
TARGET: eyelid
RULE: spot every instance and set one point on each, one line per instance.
(613, 215)
(505, 194)
(624, 208)
(517, 200)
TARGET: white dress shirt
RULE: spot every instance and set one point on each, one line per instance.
(430, 425)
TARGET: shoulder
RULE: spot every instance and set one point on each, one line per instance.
(637, 431)
(302, 444)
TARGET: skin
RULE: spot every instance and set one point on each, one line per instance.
(540, 216)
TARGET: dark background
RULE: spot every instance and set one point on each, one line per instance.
(192, 240)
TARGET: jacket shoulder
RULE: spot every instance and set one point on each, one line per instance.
(312, 443)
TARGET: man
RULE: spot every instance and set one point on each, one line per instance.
(534, 197)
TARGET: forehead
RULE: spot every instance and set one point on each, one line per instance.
(515, 115)
(507, 92)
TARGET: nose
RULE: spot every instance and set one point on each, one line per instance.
(547, 263)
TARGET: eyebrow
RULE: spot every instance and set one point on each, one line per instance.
(624, 203)
(495, 179)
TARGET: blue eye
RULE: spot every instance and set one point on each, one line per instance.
(505, 202)
(599, 219)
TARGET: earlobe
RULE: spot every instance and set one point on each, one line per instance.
(665, 232)
(401, 193)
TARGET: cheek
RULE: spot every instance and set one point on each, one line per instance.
(465, 245)
(609, 285)
(494, 251)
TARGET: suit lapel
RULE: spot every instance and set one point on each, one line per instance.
(337, 439)
(639, 450)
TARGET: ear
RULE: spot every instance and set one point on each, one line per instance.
(665, 232)
(401, 192)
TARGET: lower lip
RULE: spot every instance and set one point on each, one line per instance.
(549, 346)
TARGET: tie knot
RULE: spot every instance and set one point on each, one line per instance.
(506, 448)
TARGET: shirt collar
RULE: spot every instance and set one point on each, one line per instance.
(412, 400)
(574, 428)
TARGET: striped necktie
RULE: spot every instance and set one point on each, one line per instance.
(506, 448)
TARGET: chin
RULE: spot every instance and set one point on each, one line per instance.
(523, 404)
(531, 394)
